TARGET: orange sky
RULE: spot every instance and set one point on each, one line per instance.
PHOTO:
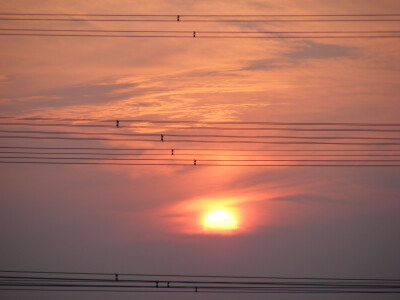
(157, 212)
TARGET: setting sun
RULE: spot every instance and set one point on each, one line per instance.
(220, 220)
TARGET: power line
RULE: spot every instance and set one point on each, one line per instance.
(199, 275)
(164, 127)
(112, 283)
(55, 119)
(56, 281)
(198, 33)
(221, 280)
(197, 149)
(182, 19)
(200, 122)
(179, 291)
(88, 290)
(201, 31)
(204, 165)
(236, 286)
(176, 153)
(200, 15)
(193, 123)
(196, 141)
(203, 37)
(199, 160)
(203, 135)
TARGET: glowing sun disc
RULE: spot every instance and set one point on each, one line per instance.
(220, 220)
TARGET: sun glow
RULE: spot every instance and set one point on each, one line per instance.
(220, 220)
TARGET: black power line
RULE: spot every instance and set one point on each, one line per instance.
(57, 281)
(203, 36)
(197, 20)
(203, 135)
(199, 15)
(195, 141)
(201, 32)
(197, 149)
(200, 275)
(199, 160)
(198, 154)
(187, 291)
(202, 122)
(204, 165)
(230, 128)
(197, 33)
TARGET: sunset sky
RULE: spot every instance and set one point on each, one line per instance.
(286, 221)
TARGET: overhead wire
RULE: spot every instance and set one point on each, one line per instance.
(195, 141)
(204, 36)
(201, 135)
(200, 122)
(200, 18)
(199, 160)
(56, 281)
(202, 127)
(204, 165)
(176, 153)
(225, 160)
(182, 19)
(221, 280)
(200, 275)
(201, 15)
(213, 286)
(198, 149)
(178, 291)
(203, 31)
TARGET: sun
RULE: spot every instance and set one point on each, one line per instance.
(220, 220)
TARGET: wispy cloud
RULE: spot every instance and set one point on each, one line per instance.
(303, 198)
(300, 52)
